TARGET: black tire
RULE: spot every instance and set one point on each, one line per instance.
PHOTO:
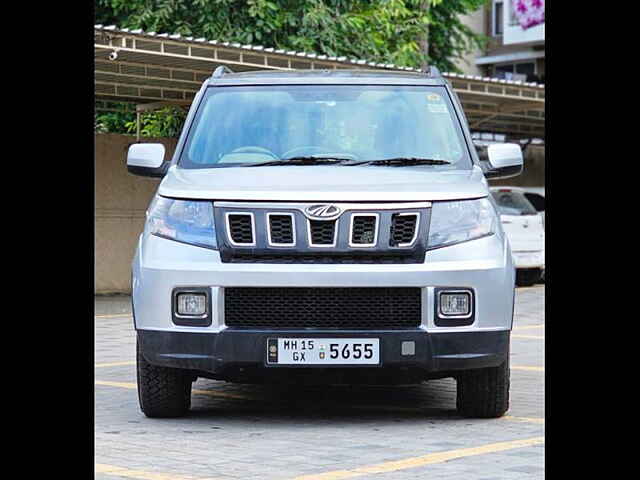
(162, 392)
(526, 277)
(483, 393)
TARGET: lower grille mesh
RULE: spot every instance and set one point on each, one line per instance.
(359, 308)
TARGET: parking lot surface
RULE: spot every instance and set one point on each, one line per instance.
(324, 433)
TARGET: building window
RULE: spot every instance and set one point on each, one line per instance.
(497, 18)
(525, 71)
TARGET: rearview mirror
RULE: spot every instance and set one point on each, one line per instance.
(147, 160)
(504, 159)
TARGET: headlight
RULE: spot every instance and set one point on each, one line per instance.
(461, 221)
(185, 221)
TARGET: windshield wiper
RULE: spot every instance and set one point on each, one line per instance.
(300, 161)
(402, 161)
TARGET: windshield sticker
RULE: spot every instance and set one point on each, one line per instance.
(434, 97)
(437, 107)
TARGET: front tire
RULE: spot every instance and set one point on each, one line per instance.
(162, 392)
(484, 393)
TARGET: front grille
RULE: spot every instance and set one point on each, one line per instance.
(322, 231)
(361, 308)
(259, 232)
(403, 228)
(240, 228)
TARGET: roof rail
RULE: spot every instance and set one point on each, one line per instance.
(433, 71)
(220, 71)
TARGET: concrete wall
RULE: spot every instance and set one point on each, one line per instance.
(121, 200)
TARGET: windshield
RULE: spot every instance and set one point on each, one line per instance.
(513, 203)
(237, 126)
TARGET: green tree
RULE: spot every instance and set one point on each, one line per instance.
(387, 31)
(166, 122)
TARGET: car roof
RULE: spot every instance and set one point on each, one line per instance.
(337, 76)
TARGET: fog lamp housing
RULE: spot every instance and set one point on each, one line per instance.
(191, 306)
(454, 307)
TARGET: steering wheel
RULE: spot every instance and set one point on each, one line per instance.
(255, 149)
(311, 149)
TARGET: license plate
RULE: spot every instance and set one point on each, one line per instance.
(323, 351)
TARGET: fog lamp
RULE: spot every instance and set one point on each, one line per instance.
(192, 304)
(456, 304)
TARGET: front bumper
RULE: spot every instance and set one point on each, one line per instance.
(223, 354)
(484, 265)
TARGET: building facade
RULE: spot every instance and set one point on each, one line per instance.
(515, 50)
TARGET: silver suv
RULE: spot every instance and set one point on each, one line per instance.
(323, 227)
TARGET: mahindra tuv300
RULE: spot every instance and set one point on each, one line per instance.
(323, 227)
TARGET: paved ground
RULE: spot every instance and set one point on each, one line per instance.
(328, 433)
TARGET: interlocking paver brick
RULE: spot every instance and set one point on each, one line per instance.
(282, 432)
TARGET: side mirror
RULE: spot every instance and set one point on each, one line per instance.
(504, 159)
(147, 160)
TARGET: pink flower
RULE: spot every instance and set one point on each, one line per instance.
(528, 12)
(522, 8)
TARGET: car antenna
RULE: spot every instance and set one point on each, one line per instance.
(220, 71)
(433, 71)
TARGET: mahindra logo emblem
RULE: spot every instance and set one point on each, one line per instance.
(323, 212)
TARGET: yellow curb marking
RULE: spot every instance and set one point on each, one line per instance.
(421, 461)
(529, 327)
(530, 337)
(520, 289)
(525, 419)
(116, 384)
(113, 364)
(141, 474)
(197, 392)
(529, 369)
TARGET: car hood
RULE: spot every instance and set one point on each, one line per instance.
(320, 183)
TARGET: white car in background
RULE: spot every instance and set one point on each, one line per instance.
(524, 227)
(535, 195)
